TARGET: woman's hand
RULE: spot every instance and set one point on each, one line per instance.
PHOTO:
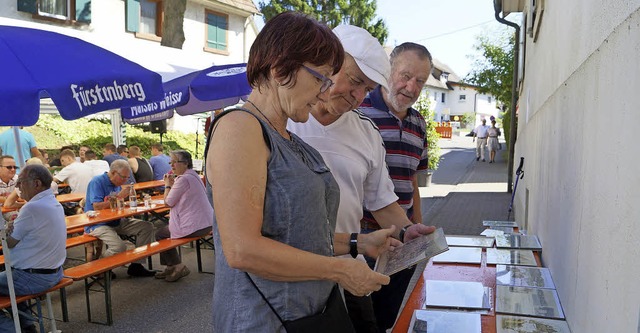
(357, 278)
(169, 179)
(375, 243)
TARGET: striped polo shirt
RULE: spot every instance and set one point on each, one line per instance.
(406, 148)
(7, 188)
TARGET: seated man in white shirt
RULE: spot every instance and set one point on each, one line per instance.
(98, 167)
(37, 243)
(76, 174)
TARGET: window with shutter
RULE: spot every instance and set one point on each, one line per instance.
(75, 11)
(144, 17)
(217, 26)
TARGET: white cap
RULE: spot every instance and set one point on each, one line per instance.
(367, 52)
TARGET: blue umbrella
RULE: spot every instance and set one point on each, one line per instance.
(213, 88)
(81, 78)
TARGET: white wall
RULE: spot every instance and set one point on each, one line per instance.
(578, 125)
(435, 94)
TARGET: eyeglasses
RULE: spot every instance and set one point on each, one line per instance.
(121, 176)
(10, 167)
(174, 162)
(326, 82)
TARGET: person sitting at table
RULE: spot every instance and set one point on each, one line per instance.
(190, 214)
(110, 155)
(98, 167)
(81, 151)
(76, 174)
(37, 239)
(159, 161)
(15, 200)
(44, 156)
(141, 168)
(123, 151)
(56, 161)
(98, 191)
(8, 177)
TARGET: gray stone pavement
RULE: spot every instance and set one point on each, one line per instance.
(463, 193)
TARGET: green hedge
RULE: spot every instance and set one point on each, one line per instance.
(52, 132)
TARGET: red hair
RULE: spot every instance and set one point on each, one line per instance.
(286, 42)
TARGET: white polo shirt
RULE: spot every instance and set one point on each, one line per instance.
(353, 149)
(481, 131)
(77, 175)
(97, 166)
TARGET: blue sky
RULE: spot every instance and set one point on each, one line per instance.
(448, 28)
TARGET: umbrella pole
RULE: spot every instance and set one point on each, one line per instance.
(16, 138)
(7, 265)
(197, 132)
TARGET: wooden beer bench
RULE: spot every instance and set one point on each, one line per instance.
(5, 302)
(99, 270)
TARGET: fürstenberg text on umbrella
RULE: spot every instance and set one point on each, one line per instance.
(86, 97)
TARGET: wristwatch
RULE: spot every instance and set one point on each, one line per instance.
(353, 245)
(402, 231)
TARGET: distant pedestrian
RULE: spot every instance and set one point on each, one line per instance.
(493, 132)
(481, 134)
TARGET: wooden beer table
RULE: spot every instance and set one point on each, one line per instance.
(486, 274)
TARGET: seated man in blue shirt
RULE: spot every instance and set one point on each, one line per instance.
(37, 241)
(99, 189)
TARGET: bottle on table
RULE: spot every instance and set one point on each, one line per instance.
(133, 198)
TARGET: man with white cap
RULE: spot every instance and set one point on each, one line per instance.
(353, 149)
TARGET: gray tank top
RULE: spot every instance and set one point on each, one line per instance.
(301, 203)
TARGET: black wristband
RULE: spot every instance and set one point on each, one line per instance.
(353, 245)
(402, 231)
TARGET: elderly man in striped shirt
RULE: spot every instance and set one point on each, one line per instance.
(403, 131)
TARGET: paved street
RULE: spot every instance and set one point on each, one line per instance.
(465, 191)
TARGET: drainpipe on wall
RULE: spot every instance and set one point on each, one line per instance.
(497, 7)
(247, 22)
(475, 109)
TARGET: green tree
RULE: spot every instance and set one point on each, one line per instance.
(492, 70)
(423, 105)
(360, 13)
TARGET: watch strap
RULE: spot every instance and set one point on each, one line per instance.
(353, 245)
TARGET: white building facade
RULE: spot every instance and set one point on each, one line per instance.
(577, 130)
(216, 32)
(450, 97)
